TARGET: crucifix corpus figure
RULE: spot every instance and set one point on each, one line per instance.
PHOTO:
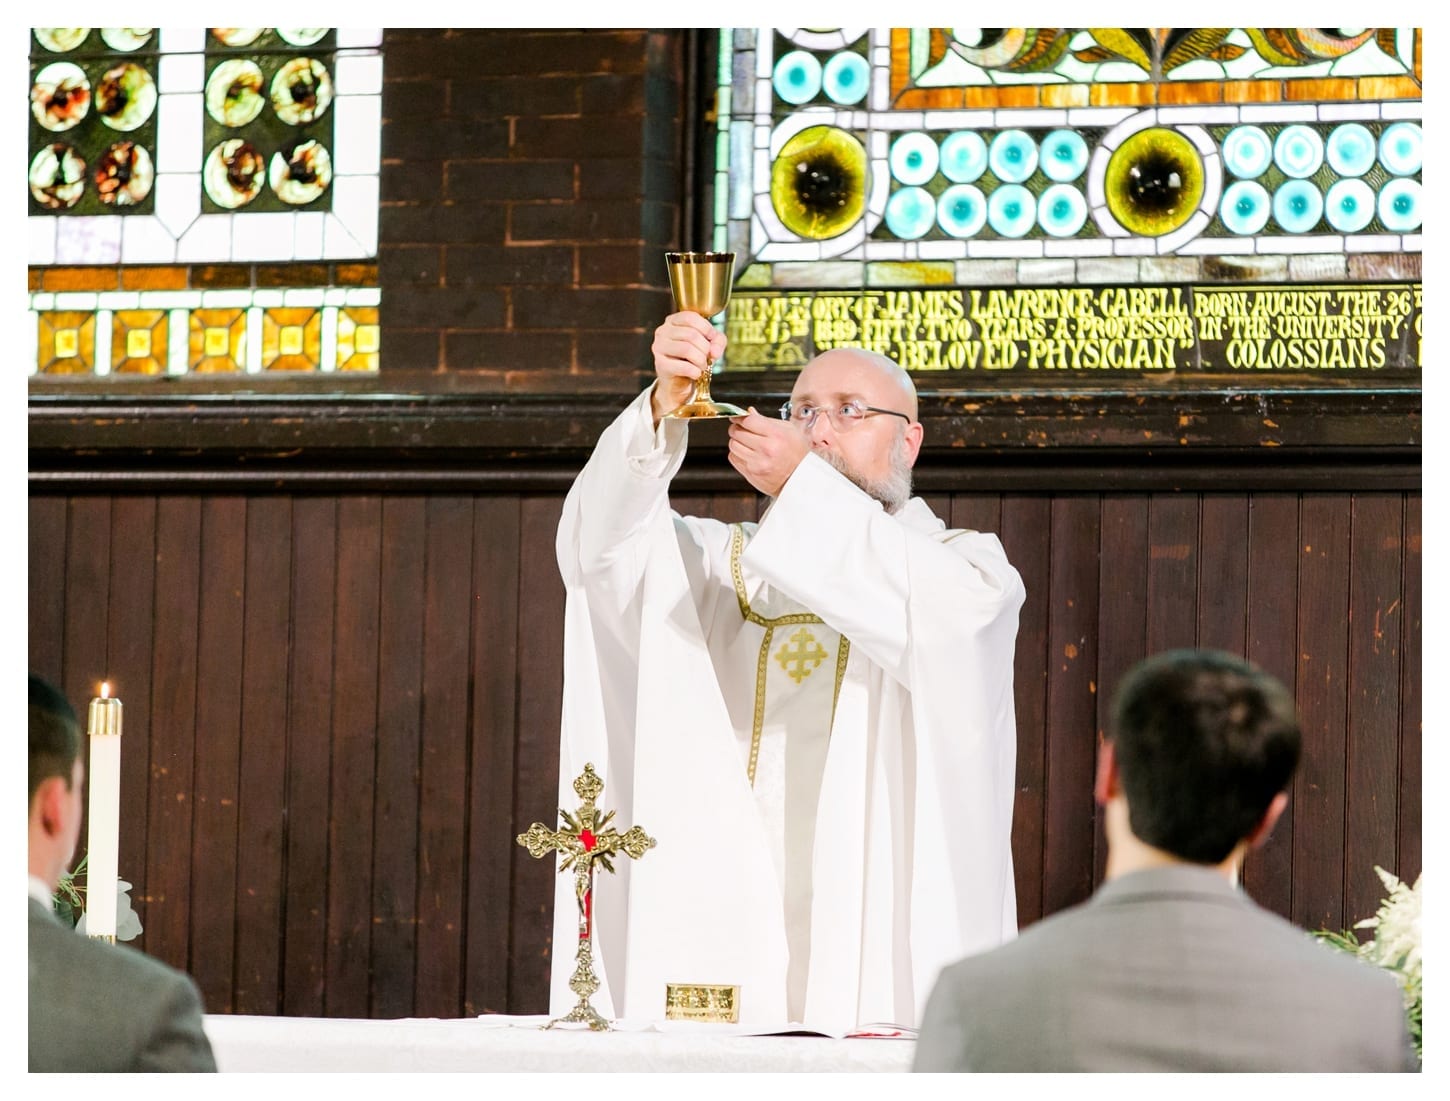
(583, 844)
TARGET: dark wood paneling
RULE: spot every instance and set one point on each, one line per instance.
(173, 730)
(46, 563)
(262, 770)
(443, 757)
(395, 808)
(1026, 538)
(1322, 690)
(1411, 738)
(1122, 617)
(218, 728)
(87, 585)
(536, 771)
(354, 752)
(492, 816)
(1372, 766)
(1273, 589)
(309, 728)
(1072, 654)
(340, 710)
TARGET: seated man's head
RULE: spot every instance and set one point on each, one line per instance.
(55, 782)
(1202, 747)
(858, 409)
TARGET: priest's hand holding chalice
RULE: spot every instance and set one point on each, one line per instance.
(700, 283)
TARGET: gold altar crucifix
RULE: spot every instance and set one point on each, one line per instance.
(584, 844)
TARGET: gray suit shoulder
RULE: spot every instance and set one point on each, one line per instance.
(103, 1007)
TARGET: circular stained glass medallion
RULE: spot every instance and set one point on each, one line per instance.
(1298, 206)
(60, 40)
(57, 176)
(1154, 182)
(846, 78)
(1399, 206)
(1064, 155)
(962, 210)
(1245, 207)
(301, 91)
(301, 36)
(1349, 205)
(236, 36)
(1401, 149)
(301, 174)
(60, 96)
(914, 158)
(910, 212)
(1350, 149)
(233, 173)
(234, 92)
(963, 156)
(1061, 210)
(818, 182)
(1298, 151)
(126, 39)
(797, 77)
(124, 174)
(126, 97)
(1247, 152)
(1011, 210)
(1013, 156)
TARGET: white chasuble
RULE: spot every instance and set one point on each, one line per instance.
(831, 803)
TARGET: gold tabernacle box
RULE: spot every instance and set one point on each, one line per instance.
(696, 1002)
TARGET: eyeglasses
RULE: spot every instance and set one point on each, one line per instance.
(844, 416)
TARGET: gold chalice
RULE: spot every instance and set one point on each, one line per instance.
(700, 282)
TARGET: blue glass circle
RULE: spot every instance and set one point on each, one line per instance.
(1399, 206)
(1062, 210)
(1012, 210)
(1064, 155)
(963, 156)
(962, 210)
(1247, 152)
(797, 77)
(1298, 206)
(1351, 149)
(1349, 205)
(914, 158)
(1013, 156)
(1298, 151)
(1245, 207)
(910, 212)
(847, 78)
(1401, 148)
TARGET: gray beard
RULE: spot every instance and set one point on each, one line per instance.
(893, 491)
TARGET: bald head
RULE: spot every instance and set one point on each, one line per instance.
(844, 373)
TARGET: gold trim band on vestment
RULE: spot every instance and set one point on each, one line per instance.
(737, 545)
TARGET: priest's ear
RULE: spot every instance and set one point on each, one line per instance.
(1106, 783)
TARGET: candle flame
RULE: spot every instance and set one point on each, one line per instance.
(105, 690)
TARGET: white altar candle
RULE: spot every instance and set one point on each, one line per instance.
(103, 838)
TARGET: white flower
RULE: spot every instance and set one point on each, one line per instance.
(128, 925)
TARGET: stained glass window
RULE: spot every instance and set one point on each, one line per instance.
(880, 160)
(204, 200)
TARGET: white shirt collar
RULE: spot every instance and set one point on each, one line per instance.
(41, 893)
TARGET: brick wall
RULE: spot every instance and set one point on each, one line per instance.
(530, 185)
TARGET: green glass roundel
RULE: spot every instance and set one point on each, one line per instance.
(818, 182)
(1154, 182)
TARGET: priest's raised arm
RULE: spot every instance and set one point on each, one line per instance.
(813, 714)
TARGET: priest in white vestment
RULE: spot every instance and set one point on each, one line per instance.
(813, 715)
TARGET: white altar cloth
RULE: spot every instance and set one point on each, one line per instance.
(499, 1043)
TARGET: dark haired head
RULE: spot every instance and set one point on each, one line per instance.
(1203, 742)
(55, 737)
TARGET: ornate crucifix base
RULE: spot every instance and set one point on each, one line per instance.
(584, 984)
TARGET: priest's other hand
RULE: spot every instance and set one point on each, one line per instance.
(766, 450)
(684, 344)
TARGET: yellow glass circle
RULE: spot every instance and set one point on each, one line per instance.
(818, 182)
(1154, 182)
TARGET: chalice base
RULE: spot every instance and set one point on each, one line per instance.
(582, 1013)
(705, 410)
